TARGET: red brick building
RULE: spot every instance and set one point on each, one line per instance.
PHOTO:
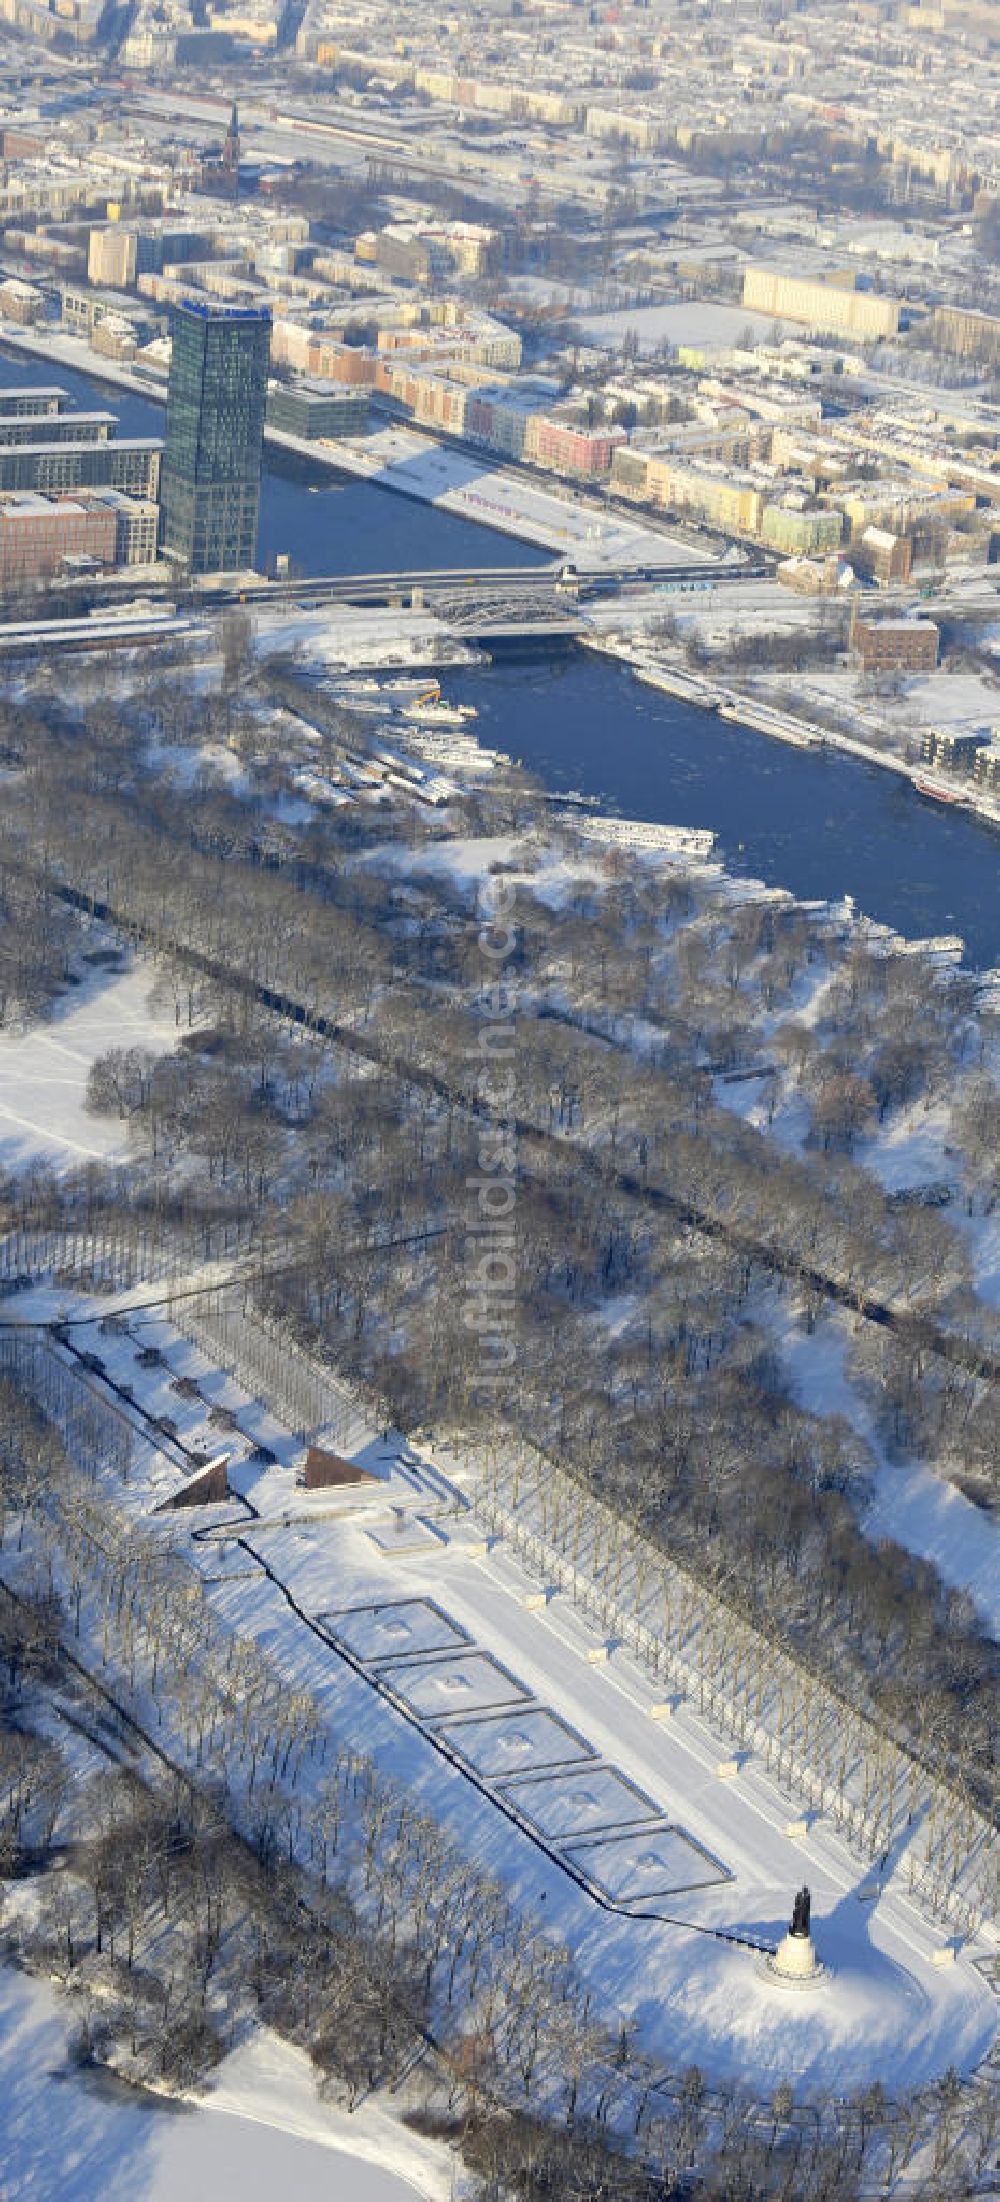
(896, 645)
(37, 533)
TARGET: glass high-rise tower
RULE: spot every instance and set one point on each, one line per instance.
(210, 485)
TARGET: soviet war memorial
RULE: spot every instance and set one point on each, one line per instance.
(500, 1102)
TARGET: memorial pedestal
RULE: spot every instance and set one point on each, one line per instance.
(795, 1963)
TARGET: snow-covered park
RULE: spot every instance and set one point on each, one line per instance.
(44, 1070)
(626, 1822)
(615, 1810)
(73, 2136)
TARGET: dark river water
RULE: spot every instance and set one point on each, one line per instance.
(822, 825)
(326, 526)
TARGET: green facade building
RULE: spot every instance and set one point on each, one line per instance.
(316, 410)
(215, 426)
(802, 531)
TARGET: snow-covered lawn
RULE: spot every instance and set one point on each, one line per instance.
(929, 1516)
(699, 322)
(916, 1147)
(260, 2131)
(351, 636)
(553, 878)
(910, 1504)
(44, 1071)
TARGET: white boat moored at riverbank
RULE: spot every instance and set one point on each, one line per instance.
(645, 834)
(439, 714)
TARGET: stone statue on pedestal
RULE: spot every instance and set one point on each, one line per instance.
(794, 1963)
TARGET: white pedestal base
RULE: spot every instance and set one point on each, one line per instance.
(795, 1964)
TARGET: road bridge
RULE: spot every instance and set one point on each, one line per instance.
(483, 602)
(526, 581)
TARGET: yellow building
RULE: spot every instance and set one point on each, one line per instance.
(259, 30)
(630, 472)
(111, 258)
(554, 107)
(714, 495)
(436, 83)
(834, 308)
(968, 334)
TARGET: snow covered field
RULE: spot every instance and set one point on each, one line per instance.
(910, 1504)
(261, 2130)
(44, 1071)
(349, 637)
(550, 875)
(697, 322)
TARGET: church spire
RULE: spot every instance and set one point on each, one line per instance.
(231, 151)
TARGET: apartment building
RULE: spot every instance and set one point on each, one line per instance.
(82, 310)
(716, 495)
(425, 252)
(131, 463)
(46, 401)
(630, 473)
(900, 505)
(23, 428)
(115, 336)
(883, 557)
(499, 417)
(987, 766)
(112, 257)
(584, 453)
(956, 748)
(21, 302)
(837, 309)
(966, 334)
(137, 523)
(801, 530)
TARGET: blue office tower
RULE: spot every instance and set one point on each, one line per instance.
(210, 488)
